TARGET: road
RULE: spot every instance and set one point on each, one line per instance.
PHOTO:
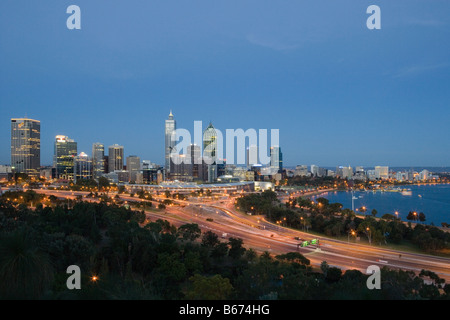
(261, 235)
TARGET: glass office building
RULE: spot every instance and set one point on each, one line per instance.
(64, 157)
(26, 146)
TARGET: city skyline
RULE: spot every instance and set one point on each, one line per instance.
(120, 163)
(338, 92)
(225, 151)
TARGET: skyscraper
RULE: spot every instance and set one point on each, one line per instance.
(115, 158)
(252, 156)
(169, 128)
(314, 170)
(26, 146)
(63, 161)
(382, 172)
(276, 159)
(98, 160)
(210, 151)
(210, 144)
(133, 167)
(196, 166)
(82, 167)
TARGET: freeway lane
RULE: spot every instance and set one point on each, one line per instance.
(351, 254)
(261, 235)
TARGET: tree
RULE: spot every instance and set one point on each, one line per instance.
(323, 201)
(422, 217)
(236, 249)
(374, 212)
(219, 251)
(388, 216)
(209, 288)
(189, 232)
(333, 275)
(412, 216)
(25, 271)
(294, 257)
(324, 267)
(103, 183)
(169, 273)
(210, 239)
(121, 189)
(366, 228)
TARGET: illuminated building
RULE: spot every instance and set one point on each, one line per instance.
(26, 146)
(344, 172)
(133, 167)
(276, 159)
(115, 158)
(382, 172)
(63, 161)
(210, 151)
(98, 160)
(301, 171)
(314, 170)
(82, 167)
(169, 129)
(252, 156)
(150, 172)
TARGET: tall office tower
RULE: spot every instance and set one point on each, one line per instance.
(133, 167)
(251, 157)
(314, 170)
(26, 146)
(169, 129)
(189, 166)
(276, 159)
(63, 161)
(382, 172)
(197, 167)
(210, 151)
(210, 144)
(98, 160)
(115, 158)
(106, 162)
(347, 172)
(82, 167)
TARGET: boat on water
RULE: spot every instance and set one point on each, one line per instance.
(406, 192)
(393, 190)
(388, 190)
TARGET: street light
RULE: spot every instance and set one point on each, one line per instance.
(353, 233)
(369, 235)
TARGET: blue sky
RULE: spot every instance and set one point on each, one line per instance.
(339, 93)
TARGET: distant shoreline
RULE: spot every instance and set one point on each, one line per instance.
(439, 219)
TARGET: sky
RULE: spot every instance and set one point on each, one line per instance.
(339, 93)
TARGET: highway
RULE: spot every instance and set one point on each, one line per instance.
(261, 235)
